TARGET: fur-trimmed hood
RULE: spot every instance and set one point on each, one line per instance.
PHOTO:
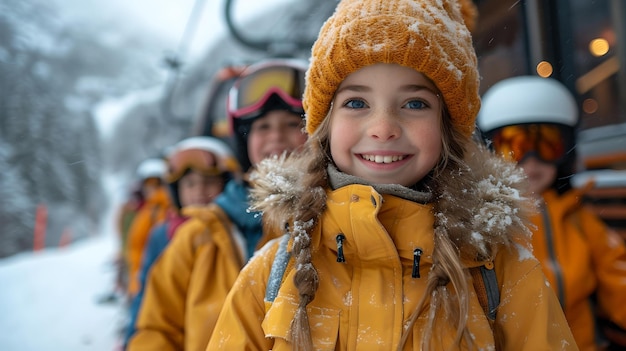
(480, 207)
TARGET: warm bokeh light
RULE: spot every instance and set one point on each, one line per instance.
(544, 69)
(590, 106)
(599, 47)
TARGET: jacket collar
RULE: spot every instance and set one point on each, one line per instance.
(481, 206)
(339, 179)
(388, 226)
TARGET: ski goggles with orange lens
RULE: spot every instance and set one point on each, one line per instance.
(198, 160)
(251, 92)
(548, 142)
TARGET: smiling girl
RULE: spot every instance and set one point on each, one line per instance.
(401, 233)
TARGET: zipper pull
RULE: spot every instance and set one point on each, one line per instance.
(417, 254)
(340, 238)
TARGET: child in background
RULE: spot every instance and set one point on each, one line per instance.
(198, 168)
(154, 210)
(123, 220)
(126, 214)
(188, 283)
(532, 121)
(392, 212)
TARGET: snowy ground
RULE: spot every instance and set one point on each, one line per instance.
(48, 299)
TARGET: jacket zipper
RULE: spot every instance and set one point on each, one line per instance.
(340, 238)
(417, 255)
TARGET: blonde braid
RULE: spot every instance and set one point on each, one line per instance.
(309, 209)
(306, 281)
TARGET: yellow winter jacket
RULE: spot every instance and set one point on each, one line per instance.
(151, 213)
(189, 282)
(581, 256)
(364, 303)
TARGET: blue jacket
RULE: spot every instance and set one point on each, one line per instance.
(234, 200)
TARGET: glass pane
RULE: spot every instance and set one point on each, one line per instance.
(500, 41)
(596, 61)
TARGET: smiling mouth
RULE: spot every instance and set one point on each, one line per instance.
(383, 159)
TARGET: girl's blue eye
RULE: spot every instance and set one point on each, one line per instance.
(416, 104)
(355, 104)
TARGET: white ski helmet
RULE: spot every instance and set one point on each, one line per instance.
(204, 154)
(206, 143)
(151, 168)
(527, 99)
(224, 157)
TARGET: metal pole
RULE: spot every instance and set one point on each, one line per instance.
(534, 33)
(564, 42)
(618, 11)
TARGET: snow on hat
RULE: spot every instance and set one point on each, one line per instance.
(430, 36)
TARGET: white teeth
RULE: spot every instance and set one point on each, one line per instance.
(383, 159)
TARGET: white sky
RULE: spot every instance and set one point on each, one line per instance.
(166, 19)
(163, 18)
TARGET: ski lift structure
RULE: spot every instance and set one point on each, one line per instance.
(288, 45)
(173, 62)
(302, 25)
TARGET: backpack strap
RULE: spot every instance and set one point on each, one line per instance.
(281, 259)
(487, 289)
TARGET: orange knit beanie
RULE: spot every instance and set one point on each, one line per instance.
(430, 36)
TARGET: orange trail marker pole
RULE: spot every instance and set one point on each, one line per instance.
(41, 219)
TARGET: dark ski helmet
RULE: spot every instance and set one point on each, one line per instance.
(275, 84)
